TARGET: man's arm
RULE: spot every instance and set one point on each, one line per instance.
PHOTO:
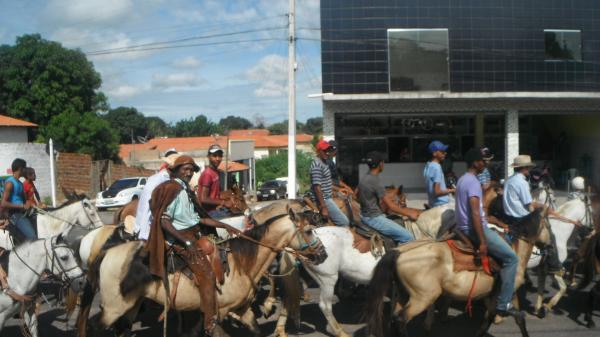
(218, 224)
(411, 213)
(190, 247)
(478, 224)
(205, 199)
(322, 206)
(439, 192)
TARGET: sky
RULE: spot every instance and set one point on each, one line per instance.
(177, 59)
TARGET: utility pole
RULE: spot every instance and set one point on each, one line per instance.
(291, 183)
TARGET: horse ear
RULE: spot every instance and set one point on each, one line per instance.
(291, 213)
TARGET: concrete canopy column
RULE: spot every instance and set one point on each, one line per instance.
(511, 141)
(328, 123)
(479, 128)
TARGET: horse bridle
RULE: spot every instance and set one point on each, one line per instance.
(92, 225)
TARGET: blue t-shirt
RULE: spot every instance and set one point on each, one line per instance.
(516, 196)
(17, 195)
(468, 186)
(433, 174)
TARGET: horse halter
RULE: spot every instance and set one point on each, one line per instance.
(93, 224)
(66, 280)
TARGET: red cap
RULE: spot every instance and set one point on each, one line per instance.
(323, 145)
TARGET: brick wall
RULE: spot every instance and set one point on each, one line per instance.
(77, 172)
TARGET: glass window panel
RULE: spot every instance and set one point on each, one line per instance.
(562, 45)
(418, 59)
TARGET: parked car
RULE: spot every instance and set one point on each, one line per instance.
(121, 192)
(272, 190)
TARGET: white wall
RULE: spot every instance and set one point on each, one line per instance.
(13, 134)
(35, 155)
(410, 175)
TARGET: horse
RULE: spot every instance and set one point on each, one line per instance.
(573, 209)
(26, 264)
(129, 209)
(591, 258)
(422, 271)
(285, 227)
(52, 221)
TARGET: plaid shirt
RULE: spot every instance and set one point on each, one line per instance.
(484, 177)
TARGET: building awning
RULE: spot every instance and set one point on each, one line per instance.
(233, 166)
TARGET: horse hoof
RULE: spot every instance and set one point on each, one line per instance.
(590, 324)
(541, 313)
(280, 332)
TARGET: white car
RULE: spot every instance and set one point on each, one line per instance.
(121, 192)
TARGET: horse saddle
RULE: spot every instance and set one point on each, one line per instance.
(465, 257)
(367, 239)
(176, 262)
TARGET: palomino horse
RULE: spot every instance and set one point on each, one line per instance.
(27, 262)
(591, 259)
(422, 272)
(52, 221)
(248, 262)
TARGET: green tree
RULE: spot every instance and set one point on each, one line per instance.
(314, 126)
(158, 127)
(83, 133)
(128, 123)
(40, 79)
(275, 166)
(196, 127)
(281, 128)
(235, 123)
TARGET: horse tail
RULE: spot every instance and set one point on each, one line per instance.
(384, 277)
(590, 256)
(291, 286)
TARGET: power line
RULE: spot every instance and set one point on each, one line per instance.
(201, 37)
(185, 45)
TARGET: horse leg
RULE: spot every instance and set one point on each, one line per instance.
(590, 306)
(429, 319)
(443, 307)
(123, 324)
(268, 304)
(84, 310)
(281, 321)
(327, 285)
(562, 289)
(412, 309)
(489, 317)
(249, 320)
(540, 310)
(30, 320)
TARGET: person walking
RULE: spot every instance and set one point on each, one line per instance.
(471, 220)
(322, 186)
(14, 203)
(437, 192)
(371, 194)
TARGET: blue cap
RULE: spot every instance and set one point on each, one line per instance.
(436, 145)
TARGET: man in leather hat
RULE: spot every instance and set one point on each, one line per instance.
(179, 220)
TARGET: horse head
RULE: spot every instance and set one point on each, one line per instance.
(63, 261)
(305, 241)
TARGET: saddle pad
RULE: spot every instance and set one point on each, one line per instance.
(464, 258)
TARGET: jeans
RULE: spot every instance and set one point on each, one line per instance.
(388, 227)
(24, 225)
(335, 214)
(503, 253)
(219, 213)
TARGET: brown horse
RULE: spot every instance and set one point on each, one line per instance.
(128, 210)
(285, 227)
(422, 272)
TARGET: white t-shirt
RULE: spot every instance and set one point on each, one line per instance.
(143, 216)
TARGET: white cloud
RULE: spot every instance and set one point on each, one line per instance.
(187, 62)
(271, 75)
(174, 81)
(125, 91)
(89, 12)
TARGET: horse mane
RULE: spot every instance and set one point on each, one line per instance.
(531, 225)
(63, 205)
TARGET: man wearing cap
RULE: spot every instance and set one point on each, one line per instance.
(471, 220)
(143, 214)
(437, 193)
(322, 186)
(179, 220)
(371, 194)
(338, 184)
(209, 185)
(485, 178)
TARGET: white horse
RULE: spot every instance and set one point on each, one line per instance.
(26, 264)
(54, 221)
(575, 210)
(342, 259)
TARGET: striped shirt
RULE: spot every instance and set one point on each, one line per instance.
(321, 175)
(484, 177)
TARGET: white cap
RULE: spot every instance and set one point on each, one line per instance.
(578, 183)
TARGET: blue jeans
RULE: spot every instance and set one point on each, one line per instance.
(388, 227)
(24, 225)
(220, 213)
(335, 213)
(503, 253)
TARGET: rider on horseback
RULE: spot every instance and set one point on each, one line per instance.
(14, 203)
(437, 193)
(371, 194)
(338, 185)
(209, 186)
(322, 186)
(179, 220)
(471, 220)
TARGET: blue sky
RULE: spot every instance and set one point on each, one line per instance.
(220, 76)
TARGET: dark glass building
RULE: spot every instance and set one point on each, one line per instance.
(397, 74)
